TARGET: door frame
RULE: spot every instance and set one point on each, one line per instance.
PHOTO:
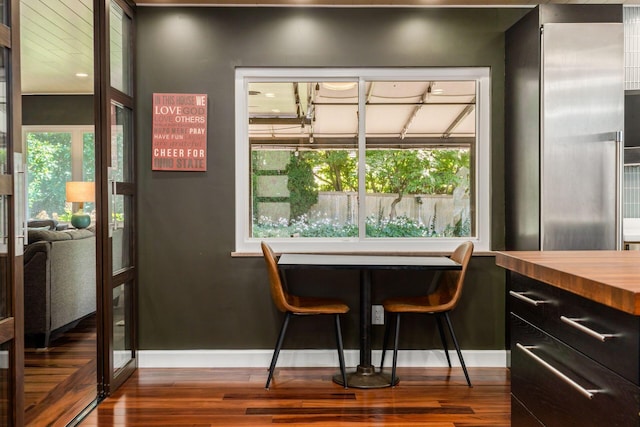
(12, 327)
(104, 97)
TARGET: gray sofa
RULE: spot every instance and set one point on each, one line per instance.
(59, 282)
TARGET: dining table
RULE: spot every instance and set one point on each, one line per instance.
(365, 374)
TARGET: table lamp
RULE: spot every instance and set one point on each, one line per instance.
(80, 192)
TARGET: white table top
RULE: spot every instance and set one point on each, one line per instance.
(375, 262)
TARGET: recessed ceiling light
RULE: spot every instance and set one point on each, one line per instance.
(275, 110)
(82, 75)
(270, 95)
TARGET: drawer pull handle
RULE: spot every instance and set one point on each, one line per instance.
(583, 391)
(523, 297)
(575, 323)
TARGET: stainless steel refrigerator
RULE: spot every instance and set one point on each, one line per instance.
(564, 117)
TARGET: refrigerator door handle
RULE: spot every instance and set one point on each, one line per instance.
(619, 187)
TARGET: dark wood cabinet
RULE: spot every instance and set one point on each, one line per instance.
(520, 416)
(608, 336)
(574, 362)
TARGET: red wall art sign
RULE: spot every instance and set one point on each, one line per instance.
(179, 132)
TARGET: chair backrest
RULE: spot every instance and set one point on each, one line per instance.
(451, 282)
(278, 294)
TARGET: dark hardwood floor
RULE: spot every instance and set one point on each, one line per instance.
(60, 381)
(434, 397)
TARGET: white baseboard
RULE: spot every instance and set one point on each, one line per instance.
(311, 358)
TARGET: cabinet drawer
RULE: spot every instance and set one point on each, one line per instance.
(532, 300)
(607, 335)
(564, 387)
(611, 337)
(520, 416)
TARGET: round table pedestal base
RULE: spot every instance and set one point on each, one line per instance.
(365, 377)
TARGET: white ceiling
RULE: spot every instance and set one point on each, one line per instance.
(57, 35)
(398, 112)
(56, 43)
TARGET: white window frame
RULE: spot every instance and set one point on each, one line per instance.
(482, 241)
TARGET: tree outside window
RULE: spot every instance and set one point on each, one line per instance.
(414, 175)
(51, 160)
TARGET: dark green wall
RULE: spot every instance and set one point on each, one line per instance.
(193, 294)
(70, 110)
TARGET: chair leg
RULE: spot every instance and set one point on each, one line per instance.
(276, 351)
(341, 351)
(455, 342)
(395, 351)
(385, 339)
(443, 338)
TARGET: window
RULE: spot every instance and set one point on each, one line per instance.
(372, 159)
(56, 155)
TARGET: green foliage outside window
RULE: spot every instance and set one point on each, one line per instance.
(3, 159)
(399, 172)
(303, 192)
(88, 157)
(426, 171)
(49, 168)
(88, 165)
(400, 226)
(334, 170)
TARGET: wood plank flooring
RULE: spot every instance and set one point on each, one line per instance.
(434, 397)
(61, 380)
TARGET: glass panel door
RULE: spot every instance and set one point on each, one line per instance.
(11, 220)
(114, 126)
(121, 232)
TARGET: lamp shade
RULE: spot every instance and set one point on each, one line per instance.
(80, 191)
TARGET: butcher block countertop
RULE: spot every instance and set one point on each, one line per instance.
(611, 278)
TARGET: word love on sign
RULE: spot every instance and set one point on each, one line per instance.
(179, 132)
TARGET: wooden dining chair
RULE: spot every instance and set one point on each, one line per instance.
(292, 305)
(438, 303)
